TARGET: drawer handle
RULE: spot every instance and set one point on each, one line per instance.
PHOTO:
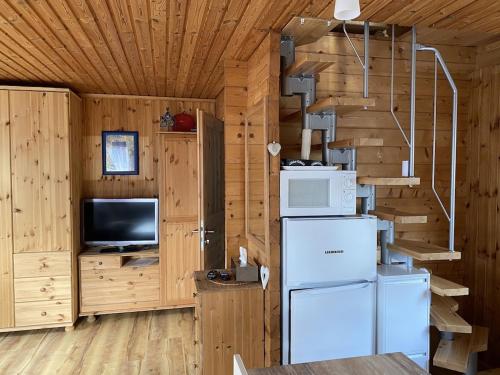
(101, 277)
(100, 263)
(43, 290)
(43, 313)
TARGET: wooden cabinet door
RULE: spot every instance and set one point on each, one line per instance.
(182, 254)
(6, 272)
(40, 171)
(179, 240)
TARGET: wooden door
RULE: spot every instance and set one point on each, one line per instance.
(179, 239)
(6, 272)
(211, 189)
(41, 198)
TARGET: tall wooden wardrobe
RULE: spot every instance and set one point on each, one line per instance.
(39, 207)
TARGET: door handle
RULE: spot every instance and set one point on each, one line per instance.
(195, 231)
(209, 231)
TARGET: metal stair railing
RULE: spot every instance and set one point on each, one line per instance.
(450, 214)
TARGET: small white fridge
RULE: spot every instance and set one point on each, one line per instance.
(403, 308)
(328, 287)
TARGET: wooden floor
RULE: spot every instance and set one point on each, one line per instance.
(160, 342)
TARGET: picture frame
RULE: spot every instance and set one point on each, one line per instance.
(120, 153)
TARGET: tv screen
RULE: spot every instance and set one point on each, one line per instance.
(120, 222)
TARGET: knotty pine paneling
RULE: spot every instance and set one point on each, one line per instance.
(142, 114)
(177, 47)
(235, 107)
(482, 244)
(263, 84)
(344, 77)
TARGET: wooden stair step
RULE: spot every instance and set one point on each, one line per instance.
(447, 288)
(356, 142)
(398, 217)
(305, 30)
(447, 302)
(341, 104)
(389, 181)
(309, 64)
(454, 354)
(422, 250)
(446, 320)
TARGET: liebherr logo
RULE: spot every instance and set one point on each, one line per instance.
(334, 252)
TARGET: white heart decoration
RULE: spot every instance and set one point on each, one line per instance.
(274, 148)
(264, 276)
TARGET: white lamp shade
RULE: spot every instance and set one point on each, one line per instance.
(346, 9)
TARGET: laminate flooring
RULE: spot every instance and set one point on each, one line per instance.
(154, 342)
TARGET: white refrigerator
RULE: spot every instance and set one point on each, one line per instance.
(328, 287)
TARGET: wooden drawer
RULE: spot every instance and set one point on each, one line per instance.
(100, 262)
(42, 312)
(42, 264)
(119, 286)
(42, 288)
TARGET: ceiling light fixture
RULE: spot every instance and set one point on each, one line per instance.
(346, 9)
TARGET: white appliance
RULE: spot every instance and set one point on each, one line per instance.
(317, 192)
(403, 304)
(328, 287)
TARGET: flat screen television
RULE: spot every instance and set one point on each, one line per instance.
(120, 222)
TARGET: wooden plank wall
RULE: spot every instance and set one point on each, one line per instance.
(235, 104)
(344, 77)
(115, 112)
(483, 203)
(263, 83)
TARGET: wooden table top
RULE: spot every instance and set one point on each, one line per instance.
(385, 364)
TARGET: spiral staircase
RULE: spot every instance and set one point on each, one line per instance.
(459, 341)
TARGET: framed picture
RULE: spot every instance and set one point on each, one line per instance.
(120, 153)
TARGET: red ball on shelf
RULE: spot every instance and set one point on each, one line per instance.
(184, 122)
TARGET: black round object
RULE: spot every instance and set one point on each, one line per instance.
(212, 275)
(296, 163)
(316, 163)
(225, 276)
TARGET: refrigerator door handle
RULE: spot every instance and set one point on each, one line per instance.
(317, 291)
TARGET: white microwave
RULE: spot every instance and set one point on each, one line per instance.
(317, 192)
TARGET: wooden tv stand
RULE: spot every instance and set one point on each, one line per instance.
(120, 282)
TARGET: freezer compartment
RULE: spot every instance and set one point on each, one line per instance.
(324, 250)
(331, 323)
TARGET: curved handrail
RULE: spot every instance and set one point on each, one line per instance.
(450, 215)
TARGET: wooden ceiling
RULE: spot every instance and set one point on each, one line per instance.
(175, 47)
